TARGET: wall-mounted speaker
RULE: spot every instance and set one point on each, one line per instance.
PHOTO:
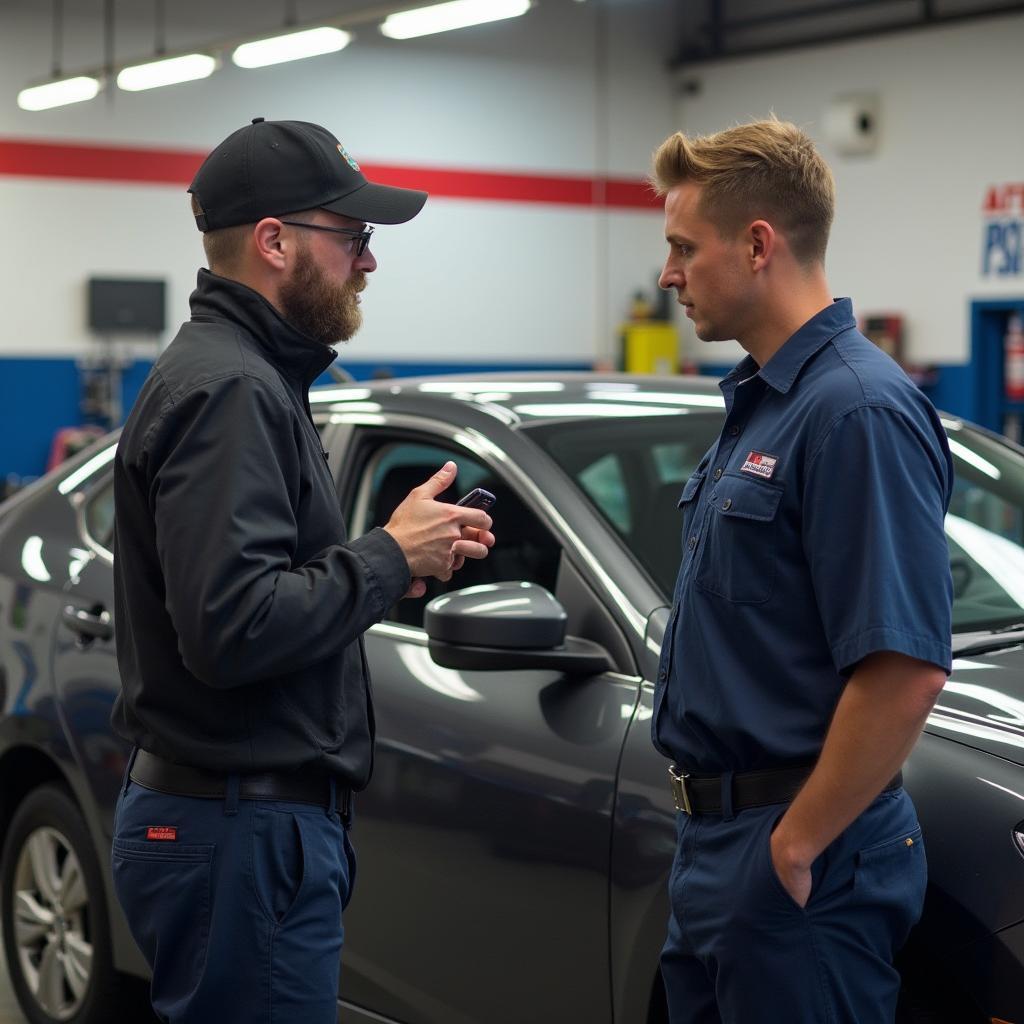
(852, 123)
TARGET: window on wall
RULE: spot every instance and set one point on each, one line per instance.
(392, 467)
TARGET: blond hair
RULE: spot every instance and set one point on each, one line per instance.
(765, 169)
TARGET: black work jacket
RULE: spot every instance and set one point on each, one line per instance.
(239, 603)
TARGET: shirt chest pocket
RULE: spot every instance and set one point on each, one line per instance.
(739, 556)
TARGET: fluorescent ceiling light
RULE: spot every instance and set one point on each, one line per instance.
(424, 21)
(169, 71)
(58, 94)
(311, 42)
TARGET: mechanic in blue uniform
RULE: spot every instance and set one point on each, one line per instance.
(240, 603)
(811, 621)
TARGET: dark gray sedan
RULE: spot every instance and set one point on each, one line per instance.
(516, 839)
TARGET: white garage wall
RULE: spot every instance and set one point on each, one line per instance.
(909, 228)
(468, 280)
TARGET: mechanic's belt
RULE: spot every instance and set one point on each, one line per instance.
(308, 786)
(702, 794)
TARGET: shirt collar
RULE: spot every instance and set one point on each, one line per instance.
(784, 367)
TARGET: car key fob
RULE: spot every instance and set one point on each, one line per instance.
(477, 498)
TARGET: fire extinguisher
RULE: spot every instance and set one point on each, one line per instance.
(1013, 359)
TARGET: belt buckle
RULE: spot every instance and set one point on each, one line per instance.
(680, 794)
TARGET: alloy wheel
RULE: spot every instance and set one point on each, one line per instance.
(51, 923)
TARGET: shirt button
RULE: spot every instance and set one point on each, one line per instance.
(734, 430)
(662, 676)
(718, 474)
(692, 543)
(727, 504)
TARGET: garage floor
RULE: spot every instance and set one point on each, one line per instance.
(9, 1012)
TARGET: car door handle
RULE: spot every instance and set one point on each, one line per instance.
(95, 625)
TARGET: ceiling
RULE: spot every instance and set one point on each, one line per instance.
(706, 30)
(720, 29)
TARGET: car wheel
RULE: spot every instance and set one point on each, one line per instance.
(55, 928)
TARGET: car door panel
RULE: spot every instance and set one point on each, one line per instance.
(86, 681)
(484, 836)
(484, 843)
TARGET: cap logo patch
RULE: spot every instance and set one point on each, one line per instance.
(760, 465)
(344, 152)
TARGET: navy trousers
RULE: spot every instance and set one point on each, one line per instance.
(236, 905)
(740, 950)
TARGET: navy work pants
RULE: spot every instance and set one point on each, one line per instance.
(236, 905)
(740, 950)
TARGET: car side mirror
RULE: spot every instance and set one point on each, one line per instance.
(504, 626)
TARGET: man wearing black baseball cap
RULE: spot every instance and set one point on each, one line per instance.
(240, 603)
(267, 167)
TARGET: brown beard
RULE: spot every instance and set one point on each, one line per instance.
(324, 311)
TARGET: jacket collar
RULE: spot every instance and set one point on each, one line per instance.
(782, 370)
(295, 354)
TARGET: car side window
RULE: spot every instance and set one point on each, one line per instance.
(392, 467)
(605, 483)
(604, 479)
(676, 461)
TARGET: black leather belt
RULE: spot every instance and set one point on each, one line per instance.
(702, 794)
(305, 786)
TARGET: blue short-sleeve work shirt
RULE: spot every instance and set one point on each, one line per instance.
(812, 536)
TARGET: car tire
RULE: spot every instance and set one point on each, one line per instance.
(55, 925)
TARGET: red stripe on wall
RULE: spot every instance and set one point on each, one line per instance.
(30, 159)
(97, 163)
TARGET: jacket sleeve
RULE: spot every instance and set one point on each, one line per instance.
(224, 481)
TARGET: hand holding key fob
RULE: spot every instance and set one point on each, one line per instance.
(477, 498)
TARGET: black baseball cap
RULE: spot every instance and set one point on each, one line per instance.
(270, 168)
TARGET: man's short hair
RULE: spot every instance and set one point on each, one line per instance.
(224, 246)
(763, 170)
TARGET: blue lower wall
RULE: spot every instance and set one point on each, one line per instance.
(38, 397)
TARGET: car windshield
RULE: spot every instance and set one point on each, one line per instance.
(633, 471)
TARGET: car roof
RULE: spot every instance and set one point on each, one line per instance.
(528, 396)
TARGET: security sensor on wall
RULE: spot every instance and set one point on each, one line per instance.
(851, 123)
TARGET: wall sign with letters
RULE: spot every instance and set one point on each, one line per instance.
(1003, 242)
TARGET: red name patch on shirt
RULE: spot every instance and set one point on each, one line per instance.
(163, 833)
(760, 465)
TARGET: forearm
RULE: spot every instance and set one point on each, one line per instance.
(876, 723)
